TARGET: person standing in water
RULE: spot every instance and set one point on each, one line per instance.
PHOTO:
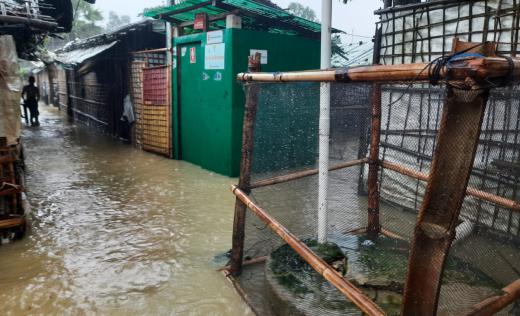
(31, 96)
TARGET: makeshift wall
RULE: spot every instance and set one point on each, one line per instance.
(100, 75)
(421, 33)
(10, 91)
(150, 91)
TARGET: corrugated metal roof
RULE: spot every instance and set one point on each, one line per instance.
(76, 57)
(356, 54)
(254, 16)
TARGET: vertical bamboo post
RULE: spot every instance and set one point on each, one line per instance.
(457, 142)
(374, 227)
(244, 182)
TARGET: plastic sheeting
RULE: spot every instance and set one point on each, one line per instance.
(10, 91)
(76, 57)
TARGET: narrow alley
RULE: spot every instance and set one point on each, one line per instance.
(117, 231)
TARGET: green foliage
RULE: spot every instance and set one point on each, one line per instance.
(86, 19)
(302, 11)
(115, 21)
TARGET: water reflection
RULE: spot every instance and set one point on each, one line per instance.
(117, 231)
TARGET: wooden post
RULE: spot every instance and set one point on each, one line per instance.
(435, 229)
(244, 182)
(374, 227)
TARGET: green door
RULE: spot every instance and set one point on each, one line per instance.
(205, 114)
(191, 102)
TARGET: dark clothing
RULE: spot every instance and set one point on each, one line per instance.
(31, 96)
(31, 93)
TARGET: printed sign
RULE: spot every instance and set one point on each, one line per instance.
(215, 56)
(193, 55)
(215, 37)
(183, 51)
(263, 59)
(217, 76)
(200, 21)
(205, 76)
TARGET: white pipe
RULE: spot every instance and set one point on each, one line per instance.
(323, 175)
(169, 58)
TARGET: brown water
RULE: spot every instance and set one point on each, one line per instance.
(116, 231)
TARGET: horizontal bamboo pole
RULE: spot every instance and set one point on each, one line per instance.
(477, 68)
(150, 51)
(305, 173)
(246, 263)
(238, 288)
(492, 305)
(479, 194)
(33, 23)
(348, 289)
(12, 222)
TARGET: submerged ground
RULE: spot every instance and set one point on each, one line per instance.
(116, 231)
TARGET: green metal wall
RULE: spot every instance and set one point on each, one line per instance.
(208, 104)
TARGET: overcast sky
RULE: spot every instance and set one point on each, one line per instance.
(356, 17)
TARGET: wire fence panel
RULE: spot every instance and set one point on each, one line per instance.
(485, 255)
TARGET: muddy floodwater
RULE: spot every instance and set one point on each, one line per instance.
(116, 231)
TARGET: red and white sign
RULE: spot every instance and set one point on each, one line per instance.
(200, 21)
(193, 55)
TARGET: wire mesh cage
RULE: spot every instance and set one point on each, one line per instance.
(482, 256)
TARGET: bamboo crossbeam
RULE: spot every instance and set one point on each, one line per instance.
(492, 305)
(305, 173)
(348, 289)
(50, 26)
(11, 222)
(476, 68)
(238, 288)
(479, 194)
(246, 263)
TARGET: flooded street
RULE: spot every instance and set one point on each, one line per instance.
(117, 231)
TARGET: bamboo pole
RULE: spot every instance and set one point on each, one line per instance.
(12, 222)
(249, 262)
(237, 251)
(238, 288)
(476, 68)
(350, 291)
(471, 191)
(494, 304)
(305, 173)
(374, 227)
(435, 229)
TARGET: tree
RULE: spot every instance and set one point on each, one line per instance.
(115, 21)
(85, 22)
(302, 11)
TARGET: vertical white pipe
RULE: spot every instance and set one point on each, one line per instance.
(324, 129)
(169, 58)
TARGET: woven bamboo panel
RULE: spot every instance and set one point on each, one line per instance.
(151, 98)
(155, 128)
(136, 93)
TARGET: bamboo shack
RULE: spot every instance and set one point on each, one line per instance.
(97, 71)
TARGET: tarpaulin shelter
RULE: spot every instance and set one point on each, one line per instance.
(10, 89)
